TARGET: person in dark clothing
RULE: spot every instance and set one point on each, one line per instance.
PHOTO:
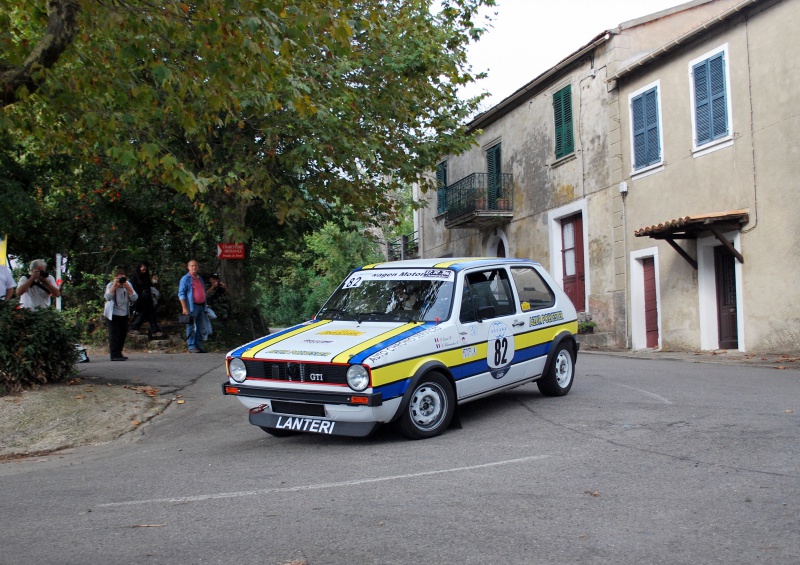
(145, 308)
(217, 297)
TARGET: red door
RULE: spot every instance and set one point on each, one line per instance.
(726, 298)
(650, 302)
(572, 258)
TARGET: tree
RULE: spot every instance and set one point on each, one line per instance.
(304, 107)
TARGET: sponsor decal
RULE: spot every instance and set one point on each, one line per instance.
(305, 425)
(400, 344)
(526, 306)
(355, 280)
(467, 352)
(341, 332)
(317, 341)
(299, 352)
(542, 319)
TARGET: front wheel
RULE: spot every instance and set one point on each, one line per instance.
(429, 409)
(561, 373)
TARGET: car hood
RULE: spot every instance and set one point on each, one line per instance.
(328, 341)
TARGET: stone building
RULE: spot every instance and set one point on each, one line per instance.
(544, 180)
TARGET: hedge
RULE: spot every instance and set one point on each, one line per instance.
(36, 347)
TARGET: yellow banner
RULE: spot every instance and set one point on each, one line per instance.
(3, 250)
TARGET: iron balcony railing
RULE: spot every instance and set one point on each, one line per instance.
(404, 247)
(479, 192)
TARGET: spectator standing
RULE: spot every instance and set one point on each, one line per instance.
(7, 284)
(217, 297)
(119, 296)
(192, 294)
(145, 308)
(36, 290)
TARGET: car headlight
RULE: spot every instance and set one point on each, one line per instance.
(358, 377)
(237, 370)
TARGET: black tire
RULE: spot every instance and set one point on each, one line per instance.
(561, 373)
(430, 408)
(278, 433)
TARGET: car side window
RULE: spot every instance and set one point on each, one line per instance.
(487, 294)
(534, 294)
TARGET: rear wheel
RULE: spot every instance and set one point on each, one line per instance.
(429, 409)
(278, 433)
(561, 373)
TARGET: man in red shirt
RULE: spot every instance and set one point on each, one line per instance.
(192, 294)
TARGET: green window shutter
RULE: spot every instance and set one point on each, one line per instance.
(710, 99)
(494, 169)
(646, 142)
(441, 187)
(562, 114)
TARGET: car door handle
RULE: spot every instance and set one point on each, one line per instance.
(516, 323)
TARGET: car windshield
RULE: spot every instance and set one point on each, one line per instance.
(392, 295)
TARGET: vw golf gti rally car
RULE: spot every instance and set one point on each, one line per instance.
(407, 342)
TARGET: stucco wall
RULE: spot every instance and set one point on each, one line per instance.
(757, 172)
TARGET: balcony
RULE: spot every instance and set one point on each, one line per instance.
(404, 247)
(479, 201)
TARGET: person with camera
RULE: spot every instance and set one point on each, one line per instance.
(36, 290)
(119, 296)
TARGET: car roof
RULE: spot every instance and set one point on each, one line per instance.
(454, 263)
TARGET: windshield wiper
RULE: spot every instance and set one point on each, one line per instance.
(338, 312)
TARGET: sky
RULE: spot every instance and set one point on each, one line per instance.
(526, 38)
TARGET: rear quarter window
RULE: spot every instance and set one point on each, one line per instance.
(533, 292)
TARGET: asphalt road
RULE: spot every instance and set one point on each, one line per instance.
(643, 462)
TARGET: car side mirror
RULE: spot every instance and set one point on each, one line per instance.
(485, 312)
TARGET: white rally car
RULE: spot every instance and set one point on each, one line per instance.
(407, 342)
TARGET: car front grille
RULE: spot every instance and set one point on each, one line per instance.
(323, 373)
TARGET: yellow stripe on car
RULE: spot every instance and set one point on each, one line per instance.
(253, 351)
(345, 356)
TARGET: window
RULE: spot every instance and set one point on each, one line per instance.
(486, 295)
(711, 108)
(532, 290)
(645, 122)
(441, 187)
(562, 109)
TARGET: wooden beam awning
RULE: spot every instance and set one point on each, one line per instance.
(690, 227)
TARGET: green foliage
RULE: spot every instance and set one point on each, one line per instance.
(271, 117)
(303, 107)
(36, 347)
(304, 279)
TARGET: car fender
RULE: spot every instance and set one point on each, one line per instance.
(422, 370)
(562, 337)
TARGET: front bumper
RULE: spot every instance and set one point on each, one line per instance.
(314, 397)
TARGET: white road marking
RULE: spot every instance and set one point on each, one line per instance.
(202, 497)
(654, 395)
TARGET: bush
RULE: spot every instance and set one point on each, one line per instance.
(36, 347)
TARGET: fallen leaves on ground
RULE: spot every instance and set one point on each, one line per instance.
(150, 391)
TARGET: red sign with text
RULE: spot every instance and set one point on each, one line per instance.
(230, 251)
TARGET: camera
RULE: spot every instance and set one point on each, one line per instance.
(123, 280)
(43, 274)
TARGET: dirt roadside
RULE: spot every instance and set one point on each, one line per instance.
(56, 417)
